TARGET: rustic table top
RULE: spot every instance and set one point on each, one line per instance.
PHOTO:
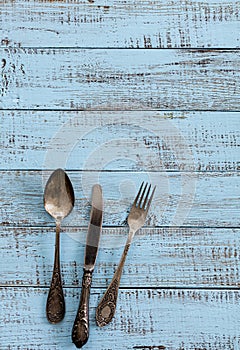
(116, 93)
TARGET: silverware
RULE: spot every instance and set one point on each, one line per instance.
(58, 202)
(80, 331)
(137, 216)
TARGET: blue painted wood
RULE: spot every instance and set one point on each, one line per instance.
(192, 156)
(118, 23)
(166, 257)
(159, 319)
(181, 198)
(118, 79)
(117, 140)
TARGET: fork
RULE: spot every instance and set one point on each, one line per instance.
(136, 219)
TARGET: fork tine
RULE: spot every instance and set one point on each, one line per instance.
(137, 196)
(141, 199)
(146, 197)
(150, 199)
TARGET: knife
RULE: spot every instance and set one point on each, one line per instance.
(80, 331)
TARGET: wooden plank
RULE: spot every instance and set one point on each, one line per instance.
(145, 319)
(174, 257)
(129, 24)
(186, 141)
(189, 199)
(120, 79)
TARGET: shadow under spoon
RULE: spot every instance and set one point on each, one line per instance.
(58, 202)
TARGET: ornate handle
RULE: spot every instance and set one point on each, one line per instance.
(80, 331)
(107, 305)
(55, 308)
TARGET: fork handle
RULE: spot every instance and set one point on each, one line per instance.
(107, 305)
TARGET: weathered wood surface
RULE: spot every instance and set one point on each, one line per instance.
(120, 79)
(145, 319)
(189, 199)
(129, 24)
(120, 140)
(181, 257)
(167, 116)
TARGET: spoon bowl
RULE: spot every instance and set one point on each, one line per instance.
(59, 195)
(58, 202)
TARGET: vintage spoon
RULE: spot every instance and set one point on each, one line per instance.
(58, 202)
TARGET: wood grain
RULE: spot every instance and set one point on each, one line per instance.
(129, 24)
(173, 257)
(120, 79)
(145, 319)
(120, 140)
(119, 92)
(189, 199)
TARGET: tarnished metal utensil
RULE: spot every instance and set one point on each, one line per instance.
(58, 202)
(136, 219)
(80, 331)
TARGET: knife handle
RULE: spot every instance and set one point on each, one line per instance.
(80, 331)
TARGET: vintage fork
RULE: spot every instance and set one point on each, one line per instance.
(136, 218)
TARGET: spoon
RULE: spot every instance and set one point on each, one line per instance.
(58, 202)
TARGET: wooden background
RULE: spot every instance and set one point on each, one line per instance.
(118, 92)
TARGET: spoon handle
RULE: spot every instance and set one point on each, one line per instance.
(80, 331)
(55, 308)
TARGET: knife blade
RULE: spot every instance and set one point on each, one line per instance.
(80, 331)
(94, 228)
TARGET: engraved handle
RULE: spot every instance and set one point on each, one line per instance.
(55, 308)
(107, 305)
(80, 331)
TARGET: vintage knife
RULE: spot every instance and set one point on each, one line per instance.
(80, 331)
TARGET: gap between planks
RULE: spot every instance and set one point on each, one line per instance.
(125, 288)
